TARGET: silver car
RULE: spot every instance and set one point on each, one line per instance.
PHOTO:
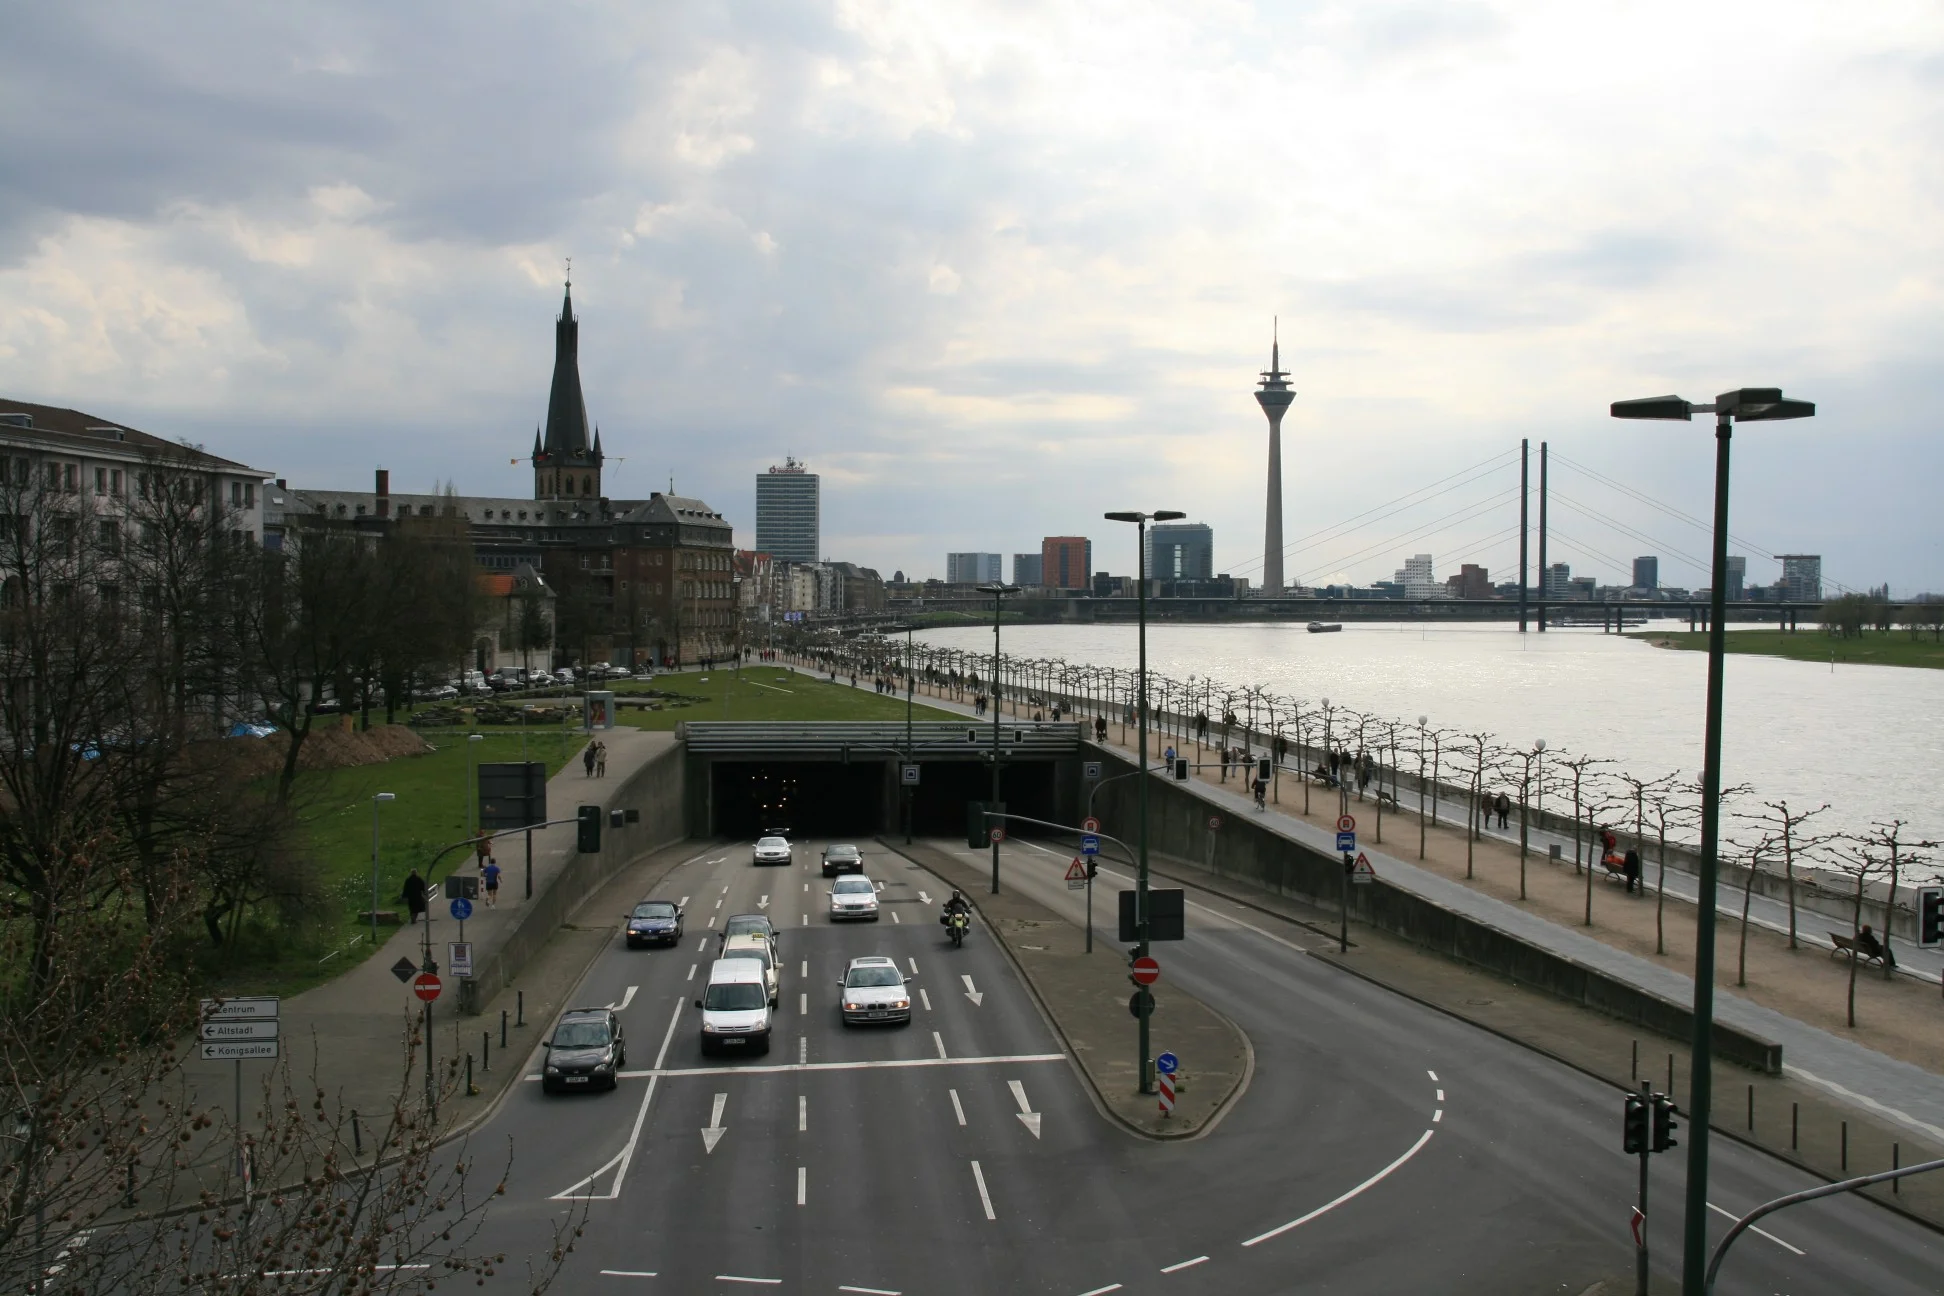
(875, 991)
(853, 897)
(772, 850)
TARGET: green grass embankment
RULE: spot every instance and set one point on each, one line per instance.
(763, 692)
(1874, 648)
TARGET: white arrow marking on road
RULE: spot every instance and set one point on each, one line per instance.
(626, 999)
(682, 903)
(763, 903)
(713, 1134)
(972, 992)
(1027, 1116)
(923, 898)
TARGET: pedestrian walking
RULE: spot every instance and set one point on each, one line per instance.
(1630, 867)
(1504, 807)
(414, 895)
(1261, 794)
(600, 760)
(1225, 764)
(587, 759)
(1100, 729)
(490, 875)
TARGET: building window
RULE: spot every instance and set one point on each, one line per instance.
(110, 537)
(101, 481)
(68, 478)
(587, 485)
(115, 483)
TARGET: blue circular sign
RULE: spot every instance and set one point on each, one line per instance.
(1167, 1063)
(461, 908)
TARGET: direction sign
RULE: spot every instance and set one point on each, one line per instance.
(1090, 845)
(1090, 824)
(908, 775)
(403, 969)
(1214, 823)
(426, 986)
(461, 908)
(237, 1050)
(254, 1006)
(1346, 823)
(998, 835)
(1346, 843)
(1167, 1064)
(237, 1030)
(1361, 870)
(1076, 874)
(459, 958)
(1146, 970)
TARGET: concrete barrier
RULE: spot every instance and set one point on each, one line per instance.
(654, 793)
(1246, 849)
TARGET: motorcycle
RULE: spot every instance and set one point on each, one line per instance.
(957, 924)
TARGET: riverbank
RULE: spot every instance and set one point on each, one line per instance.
(1877, 648)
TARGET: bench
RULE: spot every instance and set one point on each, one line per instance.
(1847, 945)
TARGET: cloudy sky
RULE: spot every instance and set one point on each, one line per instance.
(996, 266)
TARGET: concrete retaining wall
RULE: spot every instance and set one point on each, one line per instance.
(655, 793)
(1245, 849)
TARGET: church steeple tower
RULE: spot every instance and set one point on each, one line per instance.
(566, 461)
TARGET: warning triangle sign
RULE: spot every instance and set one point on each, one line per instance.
(1077, 871)
(1362, 869)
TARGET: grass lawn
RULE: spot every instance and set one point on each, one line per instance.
(1891, 648)
(432, 810)
(761, 692)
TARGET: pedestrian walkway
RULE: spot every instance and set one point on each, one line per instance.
(1897, 1090)
(350, 1032)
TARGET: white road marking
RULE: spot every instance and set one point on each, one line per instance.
(985, 1198)
(1752, 1229)
(806, 920)
(702, 944)
(763, 903)
(880, 1064)
(803, 969)
(1437, 1116)
(682, 903)
(766, 1282)
(803, 1183)
(713, 1134)
(924, 998)
(628, 1273)
(1185, 1264)
(621, 1159)
(957, 1110)
(691, 975)
(803, 1003)
(1440, 1095)
(871, 1291)
(914, 967)
(718, 903)
(895, 918)
(725, 890)
(626, 999)
(806, 888)
(1375, 1179)
(1027, 1116)
(972, 992)
(923, 898)
(1433, 1075)
(803, 1050)
(1102, 1291)
(940, 1041)
(803, 1113)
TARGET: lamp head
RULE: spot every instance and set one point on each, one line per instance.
(1762, 404)
(1539, 744)
(1168, 515)
(384, 796)
(1654, 407)
(1421, 720)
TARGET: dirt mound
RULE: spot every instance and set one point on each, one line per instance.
(329, 748)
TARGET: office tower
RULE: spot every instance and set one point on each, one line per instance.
(1181, 551)
(1026, 570)
(787, 513)
(1066, 562)
(1801, 578)
(1646, 573)
(972, 568)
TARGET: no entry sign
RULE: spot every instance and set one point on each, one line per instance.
(1146, 970)
(426, 986)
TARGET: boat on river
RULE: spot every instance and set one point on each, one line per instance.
(1324, 627)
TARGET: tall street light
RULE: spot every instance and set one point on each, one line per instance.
(1140, 521)
(1746, 405)
(998, 592)
(472, 782)
(893, 629)
(376, 800)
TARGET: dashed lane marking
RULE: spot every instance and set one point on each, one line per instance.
(736, 1278)
(895, 918)
(957, 1110)
(803, 1003)
(914, 967)
(691, 975)
(803, 1113)
(628, 1273)
(1440, 1095)
(803, 1050)
(803, 1183)
(803, 970)
(1102, 1291)
(882, 1064)
(985, 1198)
(1185, 1264)
(940, 1041)
(924, 998)
(1433, 1075)
(871, 1291)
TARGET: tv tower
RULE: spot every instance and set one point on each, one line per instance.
(1274, 396)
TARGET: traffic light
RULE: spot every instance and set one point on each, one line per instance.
(1664, 1125)
(1930, 916)
(1262, 769)
(1093, 866)
(590, 830)
(1181, 770)
(1633, 1126)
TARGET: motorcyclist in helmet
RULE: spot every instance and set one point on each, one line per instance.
(958, 904)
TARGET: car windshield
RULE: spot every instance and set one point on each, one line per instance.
(853, 886)
(744, 926)
(581, 1034)
(734, 995)
(874, 976)
(655, 909)
(842, 852)
(771, 843)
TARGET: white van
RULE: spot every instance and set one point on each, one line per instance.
(736, 1007)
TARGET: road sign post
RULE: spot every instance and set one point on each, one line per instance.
(232, 1030)
(1167, 1064)
(1076, 874)
(1145, 971)
(1361, 872)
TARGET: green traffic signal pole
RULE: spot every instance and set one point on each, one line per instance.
(998, 592)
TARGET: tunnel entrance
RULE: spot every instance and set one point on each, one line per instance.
(801, 798)
(938, 805)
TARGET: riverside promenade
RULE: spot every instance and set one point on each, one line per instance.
(1889, 1066)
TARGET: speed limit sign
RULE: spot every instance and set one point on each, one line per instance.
(1214, 823)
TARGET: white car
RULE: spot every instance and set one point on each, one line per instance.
(873, 990)
(565, 675)
(773, 850)
(853, 897)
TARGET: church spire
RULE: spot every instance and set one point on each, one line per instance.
(566, 409)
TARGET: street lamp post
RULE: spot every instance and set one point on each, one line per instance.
(1746, 405)
(525, 707)
(377, 799)
(1140, 521)
(472, 782)
(1421, 823)
(998, 592)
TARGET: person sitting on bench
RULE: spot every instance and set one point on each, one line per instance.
(1867, 945)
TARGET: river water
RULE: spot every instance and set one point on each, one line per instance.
(1867, 739)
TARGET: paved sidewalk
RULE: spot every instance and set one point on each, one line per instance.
(350, 1032)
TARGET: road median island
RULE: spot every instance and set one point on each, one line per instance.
(1084, 997)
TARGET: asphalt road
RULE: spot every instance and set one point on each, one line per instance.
(1380, 1147)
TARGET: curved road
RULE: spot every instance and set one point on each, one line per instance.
(1381, 1146)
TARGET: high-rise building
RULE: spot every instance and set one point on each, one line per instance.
(1026, 570)
(1275, 397)
(973, 568)
(1417, 578)
(1801, 578)
(1181, 551)
(1558, 580)
(1646, 573)
(788, 513)
(1471, 582)
(1737, 577)
(1066, 562)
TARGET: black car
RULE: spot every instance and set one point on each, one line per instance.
(655, 922)
(586, 1051)
(842, 859)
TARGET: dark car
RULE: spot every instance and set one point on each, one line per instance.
(586, 1051)
(842, 859)
(655, 922)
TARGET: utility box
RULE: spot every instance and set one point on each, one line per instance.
(589, 842)
(978, 829)
(597, 706)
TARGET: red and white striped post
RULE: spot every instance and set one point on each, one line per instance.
(1166, 1083)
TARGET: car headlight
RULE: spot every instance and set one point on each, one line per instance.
(553, 1070)
(708, 1028)
(901, 1003)
(852, 1007)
